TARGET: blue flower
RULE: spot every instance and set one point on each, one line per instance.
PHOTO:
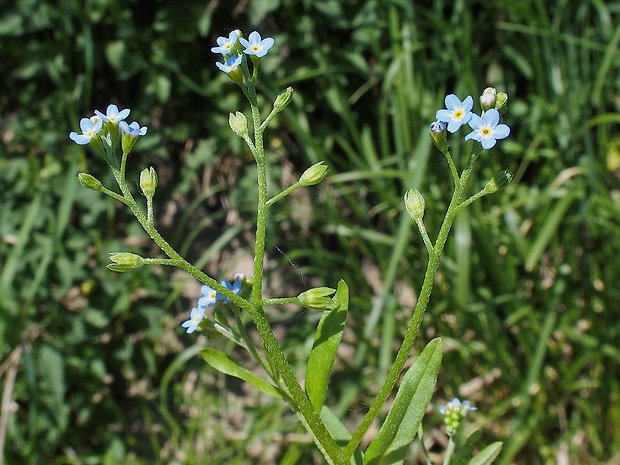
(196, 316)
(226, 44)
(236, 288)
(209, 298)
(256, 46)
(90, 127)
(457, 113)
(232, 63)
(133, 129)
(486, 130)
(112, 114)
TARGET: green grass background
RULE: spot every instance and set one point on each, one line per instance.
(95, 367)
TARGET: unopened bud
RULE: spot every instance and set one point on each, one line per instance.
(238, 123)
(487, 99)
(313, 175)
(437, 131)
(317, 298)
(125, 261)
(499, 181)
(501, 102)
(148, 182)
(89, 182)
(414, 203)
(283, 99)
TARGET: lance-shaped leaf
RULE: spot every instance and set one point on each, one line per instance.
(466, 450)
(222, 362)
(414, 394)
(487, 455)
(326, 342)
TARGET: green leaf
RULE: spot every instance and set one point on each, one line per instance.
(326, 342)
(466, 450)
(340, 433)
(53, 369)
(414, 394)
(487, 455)
(222, 362)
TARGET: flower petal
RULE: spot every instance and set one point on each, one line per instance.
(501, 131)
(488, 142)
(491, 117)
(476, 122)
(254, 37)
(86, 124)
(452, 102)
(468, 103)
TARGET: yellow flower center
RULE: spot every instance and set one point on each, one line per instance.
(458, 114)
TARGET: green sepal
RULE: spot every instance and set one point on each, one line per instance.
(222, 362)
(340, 433)
(402, 422)
(487, 455)
(326, 342)
(125, 261)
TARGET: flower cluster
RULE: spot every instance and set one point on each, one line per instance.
(486, 128)
(454, 412)
(92, 126)
(208, 299)
(234, 46)
(103, 130)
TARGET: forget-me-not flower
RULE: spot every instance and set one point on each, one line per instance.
(90, 127)
(112, 114)
(209, 297)
(196, 316)
(225, 45)
(236, 288)
(133, 129)
(486, 130)
(456, 113)
(232, 63)
(256, 46)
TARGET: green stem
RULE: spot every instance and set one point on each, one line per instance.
(453, 170)
(423, 446)
(276, 357)
(249, 346)
(418, 313)
(280, 301)
(449, 451)
(283, 194)
(424, 234)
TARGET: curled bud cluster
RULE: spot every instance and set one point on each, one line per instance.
(453, 412)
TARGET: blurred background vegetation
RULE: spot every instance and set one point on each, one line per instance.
(95, 367)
